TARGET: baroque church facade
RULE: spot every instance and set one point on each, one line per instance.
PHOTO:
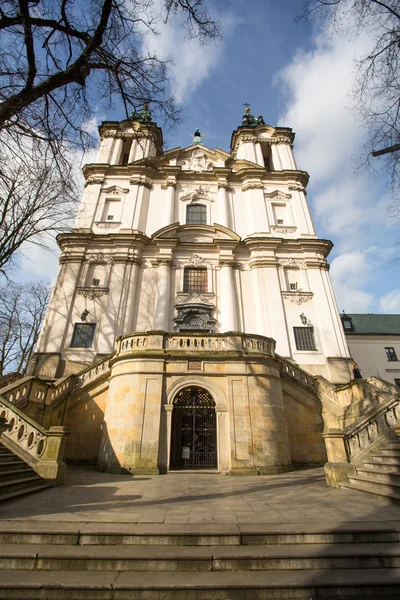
(195, 279)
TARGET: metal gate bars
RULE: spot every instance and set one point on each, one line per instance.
(194, 432)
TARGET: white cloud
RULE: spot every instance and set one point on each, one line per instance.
(190, 62)
(350, 210)
(390, 303)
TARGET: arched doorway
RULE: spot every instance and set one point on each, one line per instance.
(194, 430)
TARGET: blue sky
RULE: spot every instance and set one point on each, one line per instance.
(300, 76)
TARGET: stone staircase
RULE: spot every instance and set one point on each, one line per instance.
(17, 478)
(380, 474)
(120, 561)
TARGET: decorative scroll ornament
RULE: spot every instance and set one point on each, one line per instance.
(92, 293)
(197, 162)
(297, 187)
(298, 297)
(94, 181)
(252, 185)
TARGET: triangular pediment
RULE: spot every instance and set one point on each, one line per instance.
(196, 234)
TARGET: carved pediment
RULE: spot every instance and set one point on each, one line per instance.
(115, 189)
(197, 234)
(197, 160)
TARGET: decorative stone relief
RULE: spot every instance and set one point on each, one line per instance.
(197, 162)
(107, 224)
(252, 185)
(99, 258)
(283, 229)
(291, 262)
(146, 183)
(115, 189)
(297, 187)
(94, 180)
(297, 297)
(194, 298)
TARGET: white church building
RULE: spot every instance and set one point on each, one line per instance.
(196, 276)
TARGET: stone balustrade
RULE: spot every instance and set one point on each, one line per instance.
(42, 449)
(196, 342)
(93, 372)
(359, 436)
(19, 390)
(293, 372)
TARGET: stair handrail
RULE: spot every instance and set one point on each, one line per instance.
(40, 448)
(293, 371)
(370, 427)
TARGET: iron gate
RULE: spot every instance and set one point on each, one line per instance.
(194, 432)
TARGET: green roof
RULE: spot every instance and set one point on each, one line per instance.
(373, 324)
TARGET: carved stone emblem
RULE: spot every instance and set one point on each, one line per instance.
(92, 293)
(297, 297)
(197, 162)
(283, 229)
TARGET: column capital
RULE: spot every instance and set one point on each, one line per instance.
(170, 182)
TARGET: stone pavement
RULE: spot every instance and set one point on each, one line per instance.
(297, 497)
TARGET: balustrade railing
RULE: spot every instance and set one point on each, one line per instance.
(296, 373)
(42, 449)
(133, 342)
(93, 372)
(367, 430)
(196, 343)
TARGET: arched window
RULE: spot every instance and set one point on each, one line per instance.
(196, 214)
(195, 280)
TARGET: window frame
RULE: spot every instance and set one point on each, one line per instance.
(310, 330)
(188, 287)
(397, 382)
(391, 355)
(204, 211)
(75, 335)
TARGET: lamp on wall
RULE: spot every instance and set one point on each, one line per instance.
(303, 318)
(84, 315)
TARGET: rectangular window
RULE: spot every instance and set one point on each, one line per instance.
(390, 354)
(347, 324)
(304, 338)
(293, 287)
(83, 335)
(195, 280)
(397, 382)
(196, 214)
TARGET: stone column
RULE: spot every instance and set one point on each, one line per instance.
(132, 151)
(161, 316)
(103, 154)
(117, 150)
(258, 303)
(259, 154)
(223, 204)
(276, 161)
(127, 326)
(227, 319)
(169, 203)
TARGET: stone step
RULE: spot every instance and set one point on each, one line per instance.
(392, 460)
(264, 585)
(388, 467)
(381, 476)
(371, 487)
(31, 489)
(200, 558)
(393, 445)
(112, 534)
(12, 485)
(16, 473)
(389, 452)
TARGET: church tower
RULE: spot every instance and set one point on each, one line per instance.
(194, 269)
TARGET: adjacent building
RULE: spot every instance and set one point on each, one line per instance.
(374, 344)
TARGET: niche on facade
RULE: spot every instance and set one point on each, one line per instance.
(194, 306)
(96, 276)
(109, 214)
(280, 212)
